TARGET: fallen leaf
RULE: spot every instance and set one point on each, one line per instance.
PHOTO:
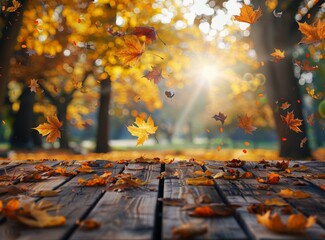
(142, 129)
(132, 50)
(188, 230)
(46, 193)
(216, 211)
(278, 55)
(258, 208)
(288, 193)
(286, 210)
(299, 183)
(235, 163)
(176, 202)
(275, 202)
(246, 123)
(248, 14)
(282, 165)
(89, 224)
(312, 34)
(296, 222)
(220, 117)
(200, 181)
(52, 128)
(154, 75)
(292, 122)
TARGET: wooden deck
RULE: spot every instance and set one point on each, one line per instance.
(142, 213)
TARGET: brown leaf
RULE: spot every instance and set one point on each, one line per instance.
(235, 163)
(293, 123)
(285, 105)
(216, 211)
(89, 224)
(220, 117)
(258, 208)
(246, 123)
(176, 202)
(155, 75)
(149, 32)
(169, 94)
(188, 230)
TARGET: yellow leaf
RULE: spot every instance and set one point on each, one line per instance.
(311, 33)
(51, 128)
(278, 55)
(296, 222)
(288, 193)
(15, 6)
(132, 50)
(248, 14)
(142, 129)
(275, 202)
(200, 181)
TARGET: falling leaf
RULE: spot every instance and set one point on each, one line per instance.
(33, 85)
(285, 105)
(51, 128)
(292, 122)
(296, 223)
(188, 230)
(155, 75)
(14, 7)
(149, 32)
(142, 129)
(248, 14)
(89, 224)
(303, 142)
(311, 119)
(200, 181)
(277, 14)
(311, 92)
(246, 123)
(312, 34)
(220, 117)
(275, 202)
(278, 55)
(169, 94)
(288, 193)
(132, 50)
(305, 66)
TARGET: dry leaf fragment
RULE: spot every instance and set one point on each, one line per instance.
(248, 14)
(312, 34)
(288, 193)
(246, 123)
(52, 128)
(154, 75)
(188, 230)
(296, 222)
(89, 224)
(200, 181)
(14, 7)
(278, 55)
(33, 85)
(132, 50)
(142, 129)
(292, 122)
(220, 117)
(285, 105)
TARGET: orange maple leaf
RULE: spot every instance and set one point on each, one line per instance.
(246, 123)
(51, 128)
(132, 50)
(155, 74)
(33, 85)
(248, 14)
(278, 55)
(311, 33)
(292, 122)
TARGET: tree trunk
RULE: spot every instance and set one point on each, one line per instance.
(62, 115)
(8, 40)
(281, 85)
(22, 135)
(102, 136)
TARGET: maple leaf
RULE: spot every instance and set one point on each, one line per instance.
(149, 32)
(142, 129)
(169, 94)
(278, 55)
(33, 85)
(155, 75)
(14, 7)
(132, 50)
(285, 105)
(296, 222)
(312, 34)
(311, 92)
(220, 117)
(246, 124)
(248, 14)
(292, 122)
(51, 128)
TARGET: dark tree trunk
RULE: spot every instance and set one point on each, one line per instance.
(22, 135)
(102, 136)
(8, 41)
(62, 109)
(282, 33)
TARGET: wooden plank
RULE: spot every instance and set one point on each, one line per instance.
(5, 166)
(76, 200)
(129, 214)
(247, 190)
(218, 228)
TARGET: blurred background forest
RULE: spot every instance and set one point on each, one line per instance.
(62, 57)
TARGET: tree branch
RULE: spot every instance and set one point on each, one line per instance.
(69, 96)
